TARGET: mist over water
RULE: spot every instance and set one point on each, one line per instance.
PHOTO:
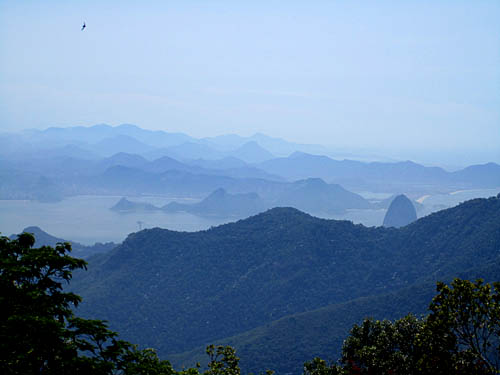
(88, 219)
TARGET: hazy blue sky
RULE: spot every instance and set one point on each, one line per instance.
(400, 76)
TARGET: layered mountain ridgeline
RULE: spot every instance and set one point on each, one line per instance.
(89, 142)
(401, 212)
(386, 177)
(71, 161)
(55, 178)
(63, 176)
(104, 141)
(78, 250)
(175, 291)
(220, 202)
(250, 152)
(312, 196)
(52, 178)
(132, 181)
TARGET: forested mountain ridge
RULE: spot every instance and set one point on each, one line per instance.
(285, 344)
(175, 291)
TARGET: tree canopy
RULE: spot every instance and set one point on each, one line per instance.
(461, 335)
(40, 334)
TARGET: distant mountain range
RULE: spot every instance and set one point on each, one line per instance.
(222, 203)
(282, 283)
(311, 195)
(376, 176)
(104, 141)
(281, 286)
(49, 165)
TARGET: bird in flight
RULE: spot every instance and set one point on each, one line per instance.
(83, 26)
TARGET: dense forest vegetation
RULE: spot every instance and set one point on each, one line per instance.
(40, 334)
(266, 283)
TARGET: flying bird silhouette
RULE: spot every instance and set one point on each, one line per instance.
(83, 26)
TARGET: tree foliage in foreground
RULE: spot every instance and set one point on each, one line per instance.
(39, 333)
(461, 335)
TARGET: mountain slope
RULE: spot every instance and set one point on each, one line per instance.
(175, 291)
(252, 152)
(396, 177)
(97, 133)
(487, 175)
(285, 344)
(124, 205)
(220, 202)
(401, 212)
(315, 196)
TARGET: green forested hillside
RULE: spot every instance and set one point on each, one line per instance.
(175, 291)
(285, 344)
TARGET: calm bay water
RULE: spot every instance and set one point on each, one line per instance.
(88, 219)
